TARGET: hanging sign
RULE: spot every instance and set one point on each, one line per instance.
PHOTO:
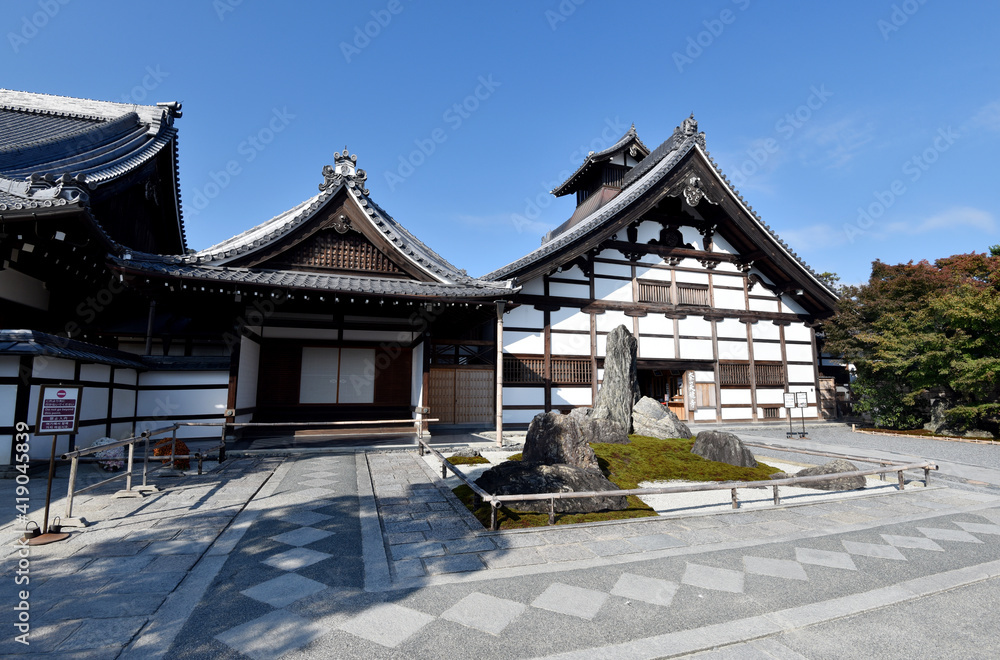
(789, 399)
(692, 391)
(801, 400)
(58, 410)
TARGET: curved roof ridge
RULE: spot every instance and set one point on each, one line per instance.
(79, 108)
(593, 156)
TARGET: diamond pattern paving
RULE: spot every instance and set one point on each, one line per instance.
(284, 590)
(292, 560)
(483, 612)
(779, 568)
(979, 528)
(717, 579)
(826, 558)
(873, 550)
(272, 635)
(387, 624)
(574, 601)
(646, 589)
(302, 536)
(919, 542)
(948, 535)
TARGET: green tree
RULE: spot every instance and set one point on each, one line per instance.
(916, 329)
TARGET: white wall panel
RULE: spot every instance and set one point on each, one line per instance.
(318, 376)
(123, 430)
(722, 245)
(766, 352)
(573, 273)
(726, 267)
(8, 396)
(733, 350)
(731, 328)
(611, 319)
(758, 305)
(602, 345)
(696, 349)
(656, 348)
(100, 373)
(797, 332)
(520, 416)
(612, 290)
(88, 434)
(535, 287)
(46, 367)
(93, 403)
(246, 383)
(651, 259)
(765, 330)
(619, 270)
(791, 305)
(648, 231)
(572, 396)
(729, 299)
(692, 236)
(417, 375)
(569, 318)
(704, 415)
(799, 352)
(721, 279)
(523, 396)
(357, 375)
(694, 326)
(523, 342)
(9, 365)
(169, 405)
(809, 390)
(655, 324)
(5, 446)
(570, 344)
(704, 376)
(657, 274)
(126, 376)
(691, 278)
(770, 396)
(123, 404)
(569, 290)
(800, 373)
(40, 449)
(731, 396)
(174, 378)
(525, 316)
(737, 413)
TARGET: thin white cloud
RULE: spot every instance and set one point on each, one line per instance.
(987, 118)
(955, 218)
(834, 144)
(813, 238)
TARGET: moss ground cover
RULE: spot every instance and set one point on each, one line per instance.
(467, 460)
(644, 459)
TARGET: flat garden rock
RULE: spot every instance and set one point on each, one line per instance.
(519, 478)
(834, 483)
(652, 419)
(723, 447)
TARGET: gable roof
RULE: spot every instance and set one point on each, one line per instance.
(656, 168)
(229, 259)
(630, 137)
(54, 150)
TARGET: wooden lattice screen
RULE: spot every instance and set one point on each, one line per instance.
(654, 292)
(688, 294)
(531, 370)
(737, 374)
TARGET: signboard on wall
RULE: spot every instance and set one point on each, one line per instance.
(58, 410)
(789, 399)
(801, 400)
(692, 392)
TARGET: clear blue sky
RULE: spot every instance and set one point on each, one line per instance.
(834, 100)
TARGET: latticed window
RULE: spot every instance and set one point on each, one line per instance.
(692, 294)
(529, 370)
(771, 412)
(481, 353)
(654, 292)
(737, 374)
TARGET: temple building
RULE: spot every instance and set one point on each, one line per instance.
(334, 311)
(660, 241)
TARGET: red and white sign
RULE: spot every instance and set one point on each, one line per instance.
(58, 410)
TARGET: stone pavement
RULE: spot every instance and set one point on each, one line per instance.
(368, 555)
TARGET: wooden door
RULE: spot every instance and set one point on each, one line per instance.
(462, 396)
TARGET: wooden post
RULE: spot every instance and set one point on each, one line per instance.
(736, 504)
(927, 477)
(901, 483)
(776, 500)
(552, 511)
(499, 375)
(494, 523)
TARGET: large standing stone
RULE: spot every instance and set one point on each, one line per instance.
(553, 438)
(835, 482)
(598, 430)
(723, 447)
(652, 419)
(520, 478)
(620, 387)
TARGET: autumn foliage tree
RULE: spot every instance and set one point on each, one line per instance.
(920, 328)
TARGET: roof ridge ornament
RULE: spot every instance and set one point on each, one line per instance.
(689, 126)
(344, 168)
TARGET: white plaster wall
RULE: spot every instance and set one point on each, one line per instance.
(169, 405)
(573, 273)
(704, 376)
(722, 245)
(691, 278)
(800, 373)
(100, 373)
(246, 383)
(809, 390)
(765, 330)
(125, 376)
(174, 378)
(523, 396)
(657, 274)
(770, 396)
(694, 326)
(417, 375)
(520, 416)
(691, 235)
(123, 430)
(601, 268)
(797, 332)
(704, 415)
(737, 413)
(798, 352)
(8, 396)
(88, 434)
(569, 290)
(535, 287)
(648, 231)
(729, 299)
(732, 396)
(40, 448)
(731, 328)
(602, 345)
(9, 365)
(696, 349)
(573, 396)
(46, 367)
(570, 344)
(759, 305)
(766, 352)
(610, 320)
(656, 348)
(733, 350)
(523, 342)
(721, 279)
(617, 290)
(654, 324)
(569, 318)
(790, 305)
(525, 316)
(94, 403)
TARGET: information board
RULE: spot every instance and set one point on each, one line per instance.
(789, 399)
(58, 410)
(801, 400)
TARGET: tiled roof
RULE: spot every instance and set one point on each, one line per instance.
(345, 176)
(593, 157)
(638, 180)
(321, 282)
(32, 342)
